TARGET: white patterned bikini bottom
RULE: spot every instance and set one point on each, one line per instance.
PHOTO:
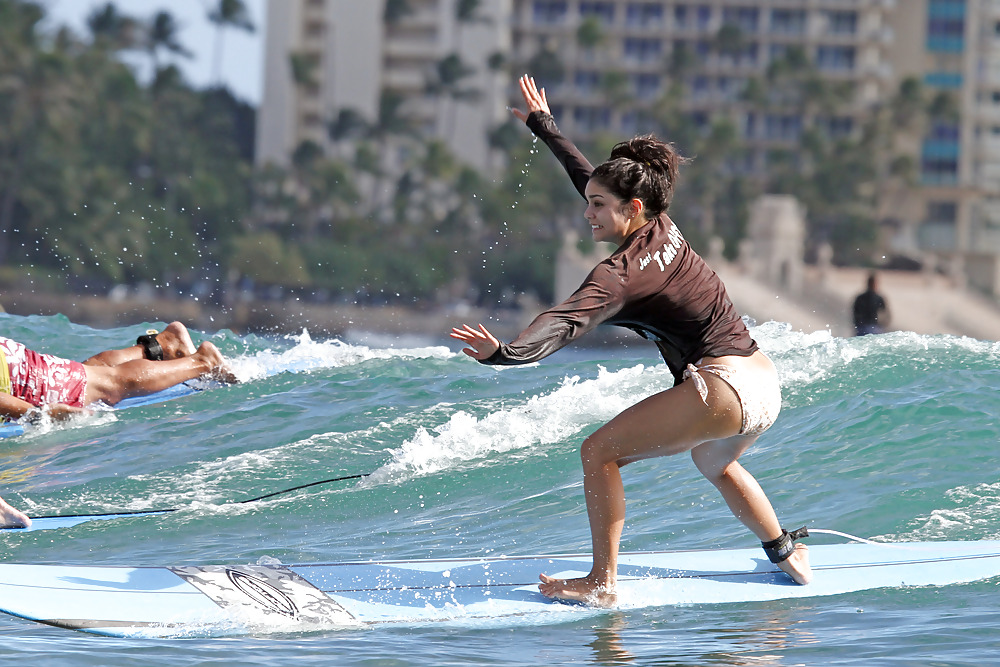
(759, 393)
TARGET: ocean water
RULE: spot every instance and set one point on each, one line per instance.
(893, 437)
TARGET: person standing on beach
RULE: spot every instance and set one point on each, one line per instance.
(31, 381)
(726, 390)
(871, 312)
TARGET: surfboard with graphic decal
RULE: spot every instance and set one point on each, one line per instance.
(216, 600)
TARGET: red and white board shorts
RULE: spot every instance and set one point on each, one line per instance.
(40, 378)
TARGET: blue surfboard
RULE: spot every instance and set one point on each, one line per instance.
(12, 429)
(216, 600)
(53, 521)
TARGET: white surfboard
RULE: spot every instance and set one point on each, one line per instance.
(238, 599)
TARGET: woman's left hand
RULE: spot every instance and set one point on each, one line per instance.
(482, 344)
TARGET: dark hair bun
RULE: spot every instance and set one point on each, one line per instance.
(642, 168)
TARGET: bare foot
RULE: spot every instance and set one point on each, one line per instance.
(578, 590)
(796, 566)
(217, 368)
(175, 341)
(12, 518)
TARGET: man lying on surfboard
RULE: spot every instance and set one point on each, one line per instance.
(726, 390)
(33, 381)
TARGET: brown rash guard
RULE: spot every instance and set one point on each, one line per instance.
(654, 284)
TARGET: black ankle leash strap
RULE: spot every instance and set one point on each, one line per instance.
(150, 347)
(780, 549)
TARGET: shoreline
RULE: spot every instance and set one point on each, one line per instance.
(290, 317)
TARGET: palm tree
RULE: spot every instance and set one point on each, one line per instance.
(304, 68)
(590, 34)
(162, 34)
(348, 124)
(466, 13)
(36, 101)
(228, 13)
(109, 26)
(446, 84)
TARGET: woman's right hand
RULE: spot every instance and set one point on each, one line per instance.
(481, 343)
(534, 99)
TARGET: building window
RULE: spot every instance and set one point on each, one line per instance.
(946, 26)
(941, 131)
(746, 56)
(946, 35)
(948, 80)
(939, 171)
(842, 23)
(836, 127)
(835, 58)
(683, 17)
(643, 50)
(635, 122)
(782, 127)
(587, 82)
(700, 86)
(940, 154)
(647, 86)
(550, 12)
(590, 119)
(687, 16)
(731, 88)
(788, 21)
(745, 18)
(643, 15)
(605, 11)
(703, 17)
(942, 211)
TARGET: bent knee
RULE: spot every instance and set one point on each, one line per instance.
(714, 467)
(596, 453)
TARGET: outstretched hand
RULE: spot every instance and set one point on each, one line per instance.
(62, 412)
(482, 344)
(534, 98)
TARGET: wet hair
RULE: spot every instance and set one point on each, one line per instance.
(642, 168)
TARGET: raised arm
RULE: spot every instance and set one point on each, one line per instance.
(539, 120)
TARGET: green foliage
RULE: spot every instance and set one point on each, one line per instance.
(266, 257)
(103, 178)
(590, 34)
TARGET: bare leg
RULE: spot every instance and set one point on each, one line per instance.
(174, 339)
(667, 423)
(12, 518)
(717, 462)
(141, 377)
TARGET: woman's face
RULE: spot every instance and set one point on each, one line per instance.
(611, 220)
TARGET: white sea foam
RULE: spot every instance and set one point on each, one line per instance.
(308, 354)
(805, 358)
(541, 420)
(976, 512)
(208, 484)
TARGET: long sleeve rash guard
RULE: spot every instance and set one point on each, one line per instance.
(654, 284)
